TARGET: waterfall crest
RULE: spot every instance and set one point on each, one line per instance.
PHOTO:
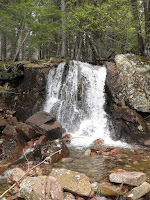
(76, 97)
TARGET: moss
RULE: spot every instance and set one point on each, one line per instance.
(1, 88)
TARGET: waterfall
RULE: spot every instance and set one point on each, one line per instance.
(75, 95)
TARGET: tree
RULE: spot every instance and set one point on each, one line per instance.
(146, 4)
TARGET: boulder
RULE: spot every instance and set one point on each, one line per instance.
(134, 76)
(15, 175)
(45, 123)
(126, 177)
(109, 189)
(41, 187)
(73, 182)
(128, 91)
(26, 131)
(68, 195)
(138, 192)
(40, 118)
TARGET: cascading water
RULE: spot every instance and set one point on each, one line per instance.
(76, 96)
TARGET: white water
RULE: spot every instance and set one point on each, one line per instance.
(76, 96)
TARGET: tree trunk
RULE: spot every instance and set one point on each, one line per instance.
(3, 46)
(64, 48)
(146, 4)
(138, 26)
(78, 56)
(93, 48)
(20, 41)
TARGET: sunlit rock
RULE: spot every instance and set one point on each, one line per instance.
(74, 182)
(41, 187)
(126, 177)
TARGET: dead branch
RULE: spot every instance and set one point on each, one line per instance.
(27, 173)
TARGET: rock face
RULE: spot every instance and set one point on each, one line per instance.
(128, 92)
(134, 78)
(29, 93)
(42, 187)
(126, 177)
(138, 192)
(73, 182)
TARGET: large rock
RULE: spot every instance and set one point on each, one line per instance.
(73, 182)
(126, 177)
(138, 192)
(108, 189)
(134, 75)
(128, 102)
(42, 187)
(44, 123)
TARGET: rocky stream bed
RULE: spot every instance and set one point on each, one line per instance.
(35, 140)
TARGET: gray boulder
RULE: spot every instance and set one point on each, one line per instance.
(41, 187)
(126, 177)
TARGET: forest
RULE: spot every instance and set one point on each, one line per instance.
(85, 30)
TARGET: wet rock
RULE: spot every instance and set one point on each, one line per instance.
(73, 182)
(42, 187)
(126, 177)
(68, 196)
(139, 191)
(98, 141)
(108, 189)
(26, 131)
(45, 124)
(67, 160)
(15, 175)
